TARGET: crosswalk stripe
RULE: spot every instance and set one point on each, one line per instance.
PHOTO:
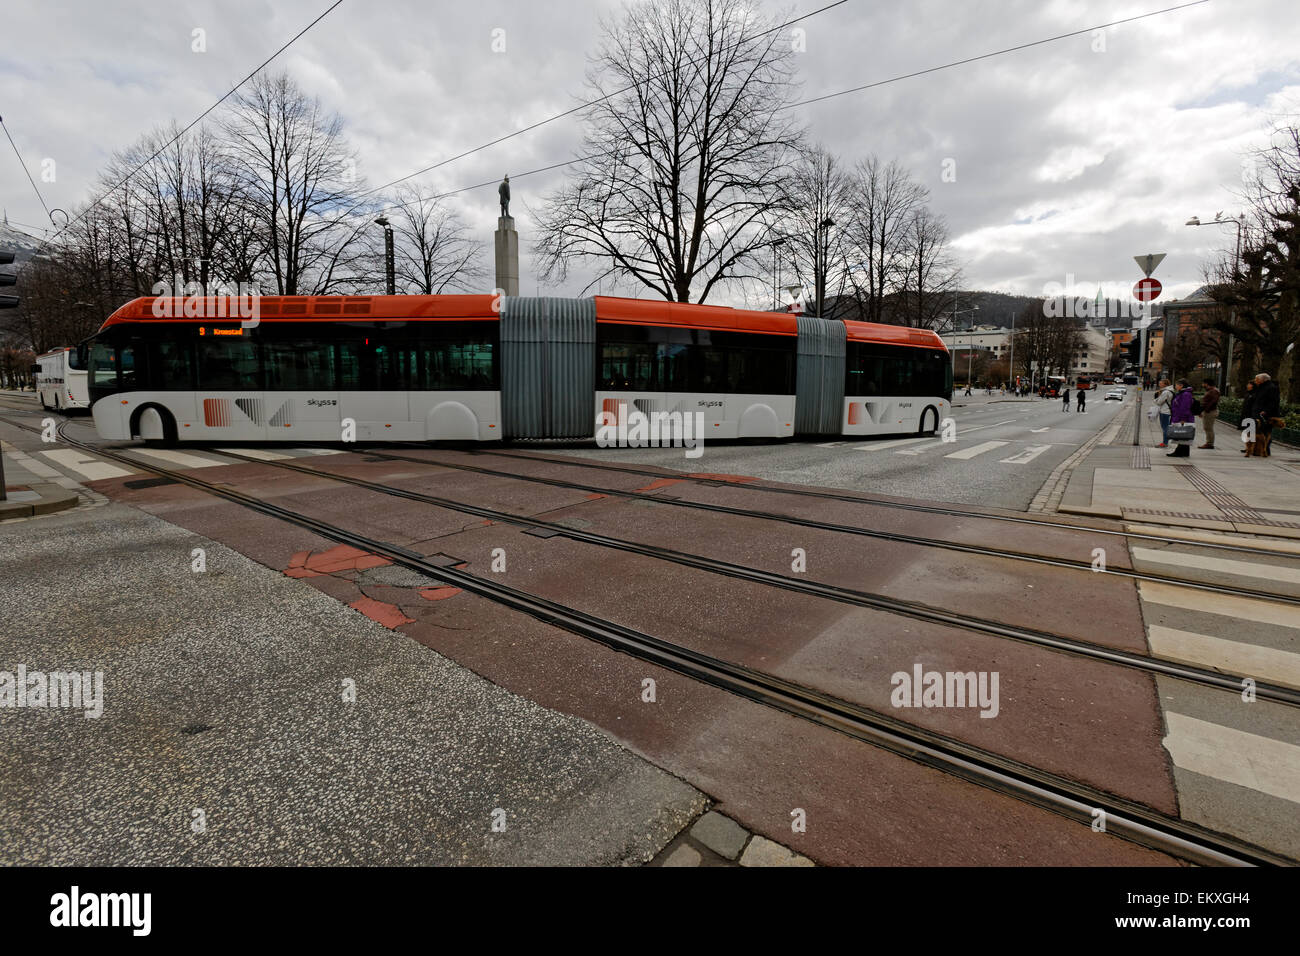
(179, 458)
(881, 446)
(1266, 572)
(921, 449)
(968, 453)
(91, 469)
(323, 451)
(830, 444)
(1233, 657)
(261, 453)
(1026, 456)
(1228, 605)
(1235, 756)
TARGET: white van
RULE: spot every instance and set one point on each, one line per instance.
(59, 383)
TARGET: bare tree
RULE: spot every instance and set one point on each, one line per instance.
(1046, 340)
(932, 276)
(433, 251)
(293, 163)
(886, 199)
(689, 151)
(819, 204)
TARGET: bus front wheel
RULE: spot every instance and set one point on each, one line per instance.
(929, 421)
(155, 425)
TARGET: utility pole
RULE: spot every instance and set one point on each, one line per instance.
(389, 272)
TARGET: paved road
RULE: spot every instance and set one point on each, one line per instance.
(1004, 451)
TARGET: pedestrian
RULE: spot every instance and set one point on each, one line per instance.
(968, 388)
(1065, 398)
(1248, 420)
(1267, 409)
(1209, 412)
(1181, 414)
(1083, 395)
(1164, 401)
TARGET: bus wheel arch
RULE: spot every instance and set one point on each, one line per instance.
(929, 414)
(154, 424)
(451, 421)
(758, 421)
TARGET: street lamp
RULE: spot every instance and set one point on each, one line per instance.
(776, 273)
(388, 254)
(969, 338)
(1226, 377)
(821, 258)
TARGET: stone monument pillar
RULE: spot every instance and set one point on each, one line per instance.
(507, 256)
(507, 244)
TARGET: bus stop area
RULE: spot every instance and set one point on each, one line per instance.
(1214, 489)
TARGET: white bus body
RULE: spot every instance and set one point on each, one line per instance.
(58, 384)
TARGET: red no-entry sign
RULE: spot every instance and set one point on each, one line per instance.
(1146, 289)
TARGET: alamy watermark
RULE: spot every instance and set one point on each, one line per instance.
(923, 688)
(629, 427)
(220, 300)
(76, 690)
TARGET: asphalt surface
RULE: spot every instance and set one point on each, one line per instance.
(869, 806)
(915, 469)
(223, 702)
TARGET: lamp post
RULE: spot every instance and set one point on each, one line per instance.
(388, 255)
(969, 338)
(777, 243)
(821, 257)
(1226, 371)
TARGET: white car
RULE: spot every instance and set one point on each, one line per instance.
(1116, 394)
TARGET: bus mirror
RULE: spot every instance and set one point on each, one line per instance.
(36, 370)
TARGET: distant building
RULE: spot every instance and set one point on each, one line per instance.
(982, 338)
(1093, 358)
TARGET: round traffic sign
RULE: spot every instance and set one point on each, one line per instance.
(1146, 289)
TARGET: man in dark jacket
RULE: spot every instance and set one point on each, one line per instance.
(1267, 401)
(1209, 412)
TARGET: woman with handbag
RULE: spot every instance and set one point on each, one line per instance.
(1182, 424)
(1163, 402)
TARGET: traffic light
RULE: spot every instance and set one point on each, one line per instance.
(6, 278)
(1134, 351)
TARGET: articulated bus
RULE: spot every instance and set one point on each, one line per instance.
(60, 378)
(484, 368)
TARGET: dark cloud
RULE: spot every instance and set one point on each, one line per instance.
(1070, 157)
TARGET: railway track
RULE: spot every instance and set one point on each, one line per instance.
(1125, 818)
(949, 512)
(984, 551)
(856, 597)
(859, 598)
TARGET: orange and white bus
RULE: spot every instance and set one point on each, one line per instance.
(481, 368)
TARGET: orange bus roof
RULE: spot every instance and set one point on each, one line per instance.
(314, 308)
(609, 309)
(893, 335)
(689, 315)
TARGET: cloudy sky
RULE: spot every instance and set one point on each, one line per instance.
(1069, 157)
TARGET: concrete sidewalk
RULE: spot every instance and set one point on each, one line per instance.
(32, 488)
(1216, 489)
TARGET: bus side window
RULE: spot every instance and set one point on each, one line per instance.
(127, 358)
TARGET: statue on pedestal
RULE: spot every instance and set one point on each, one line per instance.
(504, 192)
